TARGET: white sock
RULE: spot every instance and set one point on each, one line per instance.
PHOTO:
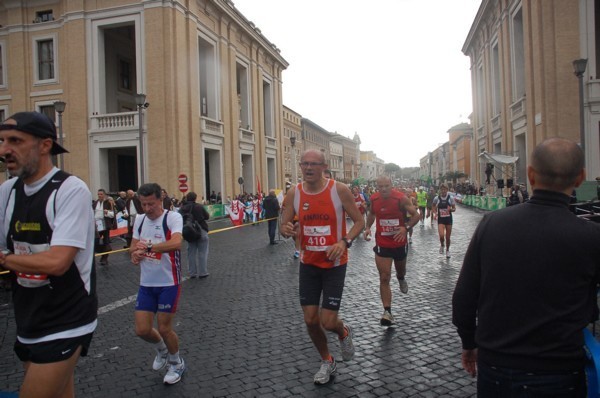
(160, 346)
(174, 358)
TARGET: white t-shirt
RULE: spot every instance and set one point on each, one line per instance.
(72, 198)
(159, 269)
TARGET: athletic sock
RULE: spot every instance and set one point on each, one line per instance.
(389, 309)
(174, 358)
(345, 333)
(160, 346)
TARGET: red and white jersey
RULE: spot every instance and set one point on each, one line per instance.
(360, 201)
(389, 218)
(255, 205)
(236, 206)
(322, 224)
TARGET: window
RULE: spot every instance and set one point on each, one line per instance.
(45, 56)
(45, 60)
(124, 74)
(2, 115)
(49, 111)
(2, 78)
(44, 16)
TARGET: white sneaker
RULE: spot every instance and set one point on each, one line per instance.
(325, 371)
(160, 361)
(387, 319)
(403, 286)
(448, 253)
(175, 372)
(441, 249)
(346, 345)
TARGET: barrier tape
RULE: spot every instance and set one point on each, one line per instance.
(209, 232)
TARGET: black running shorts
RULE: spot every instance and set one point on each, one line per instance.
(54, 350)
(329, 281)
(397, 253)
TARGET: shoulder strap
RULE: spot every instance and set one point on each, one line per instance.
(142, 223)
(164, 223)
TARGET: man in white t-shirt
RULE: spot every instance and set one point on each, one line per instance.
(47, 242)
(155, 247)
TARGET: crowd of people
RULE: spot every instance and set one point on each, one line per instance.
(518, 334)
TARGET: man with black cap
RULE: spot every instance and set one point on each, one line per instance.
(47, 241)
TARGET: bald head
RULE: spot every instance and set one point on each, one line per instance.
(313, 153)
(557, 164)
(383, 180)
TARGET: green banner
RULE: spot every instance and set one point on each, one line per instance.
(484, 202)
(215, 211)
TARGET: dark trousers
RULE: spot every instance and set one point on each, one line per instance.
(272, 229)
(104, 245)
(512, 383)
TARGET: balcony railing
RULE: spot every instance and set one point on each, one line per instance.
(272, 142)
(246, 135)
(115, 121)
(518, 108)
(210, 126)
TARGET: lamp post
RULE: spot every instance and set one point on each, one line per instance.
(140, 101)
(579, 69)
(294, 165)
(59, 107)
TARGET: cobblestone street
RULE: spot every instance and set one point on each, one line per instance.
(242, 333)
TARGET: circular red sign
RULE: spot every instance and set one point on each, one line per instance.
(183, 188)
(182, 178)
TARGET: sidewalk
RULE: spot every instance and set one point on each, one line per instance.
(242, 333)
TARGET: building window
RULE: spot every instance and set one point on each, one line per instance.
(44, 16)
(2, 115)
(124, 74)
(45, 55)
(49, 111)
(2, 78)
(45, 59)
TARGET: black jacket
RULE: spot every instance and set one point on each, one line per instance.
(271, 206)
(198, 211)
(528, 286)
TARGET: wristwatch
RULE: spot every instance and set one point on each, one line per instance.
(348, 242)
(149, 248)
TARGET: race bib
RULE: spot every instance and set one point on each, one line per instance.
(317, 238)
(389, 227)
(444, 213)
(100, 226)
(31, 280)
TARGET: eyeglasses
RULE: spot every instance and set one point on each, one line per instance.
(311, 164)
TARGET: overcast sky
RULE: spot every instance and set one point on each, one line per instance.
(391, 70)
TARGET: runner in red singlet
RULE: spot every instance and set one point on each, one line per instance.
(321, 204)
(388, 209)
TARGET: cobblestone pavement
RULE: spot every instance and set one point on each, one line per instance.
(242, 333)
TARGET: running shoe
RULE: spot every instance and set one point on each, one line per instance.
(448, 253)
(175, 372)
(160, 361)
(441, 249)
(325, 371)
(296, 254)
(346, 345)
(403, 286)
(387, 319)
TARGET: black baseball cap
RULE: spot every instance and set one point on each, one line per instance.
(36, 124)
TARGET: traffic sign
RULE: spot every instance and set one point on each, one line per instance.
(183, 187)
(182, 178)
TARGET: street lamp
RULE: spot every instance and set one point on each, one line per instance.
(140, 101)
(294, 165)
(59, 107)
(579, 69)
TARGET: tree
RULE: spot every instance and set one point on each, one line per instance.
(391, 168)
